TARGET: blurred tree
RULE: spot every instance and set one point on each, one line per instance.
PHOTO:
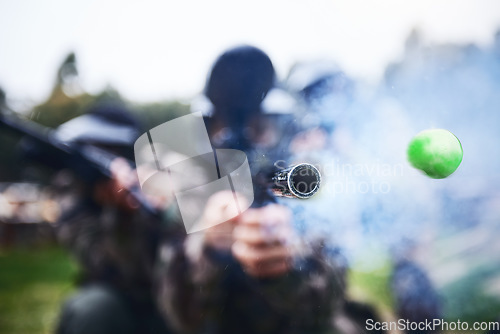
(67, 99)
(153, 114)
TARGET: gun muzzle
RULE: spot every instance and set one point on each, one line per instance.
(298, 181)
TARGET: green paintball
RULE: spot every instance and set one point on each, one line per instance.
(436, 152)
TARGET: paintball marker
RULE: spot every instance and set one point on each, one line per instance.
(44, 146)
(300, 181)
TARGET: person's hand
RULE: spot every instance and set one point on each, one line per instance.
(115, 190)
(220, 236)
(261, 239)
(264, 241)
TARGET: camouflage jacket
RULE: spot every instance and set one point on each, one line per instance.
(212, 293)
(112, 247)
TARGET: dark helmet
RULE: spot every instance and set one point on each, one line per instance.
(240, 79)
(108, 125)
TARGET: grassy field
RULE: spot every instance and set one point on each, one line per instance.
(33, 284)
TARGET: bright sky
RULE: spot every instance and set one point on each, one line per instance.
(153, 50)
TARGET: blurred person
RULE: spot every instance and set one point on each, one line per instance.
(114, 243)
(338, 132)
(325, 92)
(252, 273)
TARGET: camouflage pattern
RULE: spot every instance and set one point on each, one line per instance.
(116, 252)
(111, 246)
(211, 293)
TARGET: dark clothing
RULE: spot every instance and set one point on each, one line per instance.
(115, 248)
(116, 252)
(101, 309)
(214, 294)
(112, 247)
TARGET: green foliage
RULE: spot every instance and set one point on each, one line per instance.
(67, 101)
(60, 108)
(154, 114)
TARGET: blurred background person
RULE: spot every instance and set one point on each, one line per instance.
(356, 201)
(114, 242)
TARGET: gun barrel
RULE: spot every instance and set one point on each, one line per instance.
(298, 181)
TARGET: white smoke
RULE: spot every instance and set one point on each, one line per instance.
(373, 202)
